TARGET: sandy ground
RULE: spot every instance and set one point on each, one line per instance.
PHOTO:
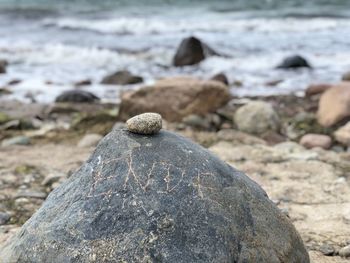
(311, 186)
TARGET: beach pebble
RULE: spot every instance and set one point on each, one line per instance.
(316, 140)
(327, 250)
(89, 140)
(18, 140)
(221, 77)
(5, 91)
(52, 178)
(4, 118)
(315, 89)
(196, 121)
(334, 105)
(342, 134)
(84, 82)
(146, 123)
(3, 65)
(257, 117)
(346, 76)
(4, 218)
(77, 96)
(123, 77)
(31, 194)
(345, 252)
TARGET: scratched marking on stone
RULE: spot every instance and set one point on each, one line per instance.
(172, 175)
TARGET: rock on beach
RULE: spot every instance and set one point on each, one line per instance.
(157, 198)
(257, 117)
(175, 98)
(334, 105)
(191, 51)
(78, 96)
(293, 62)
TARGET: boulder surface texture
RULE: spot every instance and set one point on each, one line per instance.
(158, 198)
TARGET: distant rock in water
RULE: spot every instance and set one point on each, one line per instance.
(192, 51)
(158, 198)
(175, 98)
(77, 96)
(84, 82)
(293, 62)
(346, 76)
(3, 65)
(123, 77)
(221, 77)
(14, 82)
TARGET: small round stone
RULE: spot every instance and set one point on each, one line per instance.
(146, 123)
(345, 252)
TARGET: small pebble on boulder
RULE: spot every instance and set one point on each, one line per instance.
(18, 140)
(146, 123)
(316, 140)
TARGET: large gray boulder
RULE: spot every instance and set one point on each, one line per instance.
(158, 198)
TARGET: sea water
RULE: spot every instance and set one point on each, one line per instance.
(51, 44)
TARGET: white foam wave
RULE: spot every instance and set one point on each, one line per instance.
(127, 25)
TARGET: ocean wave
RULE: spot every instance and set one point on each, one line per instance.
(144, 26)
(27, 12)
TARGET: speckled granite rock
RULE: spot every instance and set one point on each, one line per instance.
(146, 123)
(158, 198)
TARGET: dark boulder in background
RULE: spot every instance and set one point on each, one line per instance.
(77, 96)
(157, 198)
(294, 62)
(221, 77)
(123, 77)
(3, 65)
(192, 51)
(346, 76)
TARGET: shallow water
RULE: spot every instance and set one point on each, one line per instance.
(52, 44)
